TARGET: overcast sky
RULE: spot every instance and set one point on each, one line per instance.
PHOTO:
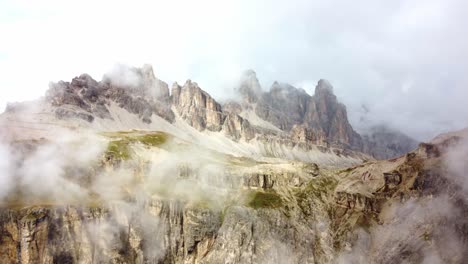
(405, 60)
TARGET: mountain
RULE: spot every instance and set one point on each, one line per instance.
(126, 170)
(321, 116)
(284, 115)
(383, 142)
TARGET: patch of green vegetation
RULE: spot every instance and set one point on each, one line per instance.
(222, 214)
(153, 139)
(317, 191)
(265, 200)
(34, 215)
(119, 147)
(318, 186)
(203, 204)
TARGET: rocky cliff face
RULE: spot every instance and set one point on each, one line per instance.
(89, 99)
(197, 107)
(286, 106)
(329, 116)
(249, 87)
(283, 106)
(162, 201)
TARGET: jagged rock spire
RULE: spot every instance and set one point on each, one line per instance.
(323, 88)
(249, 87)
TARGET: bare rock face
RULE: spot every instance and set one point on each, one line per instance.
(327, 115)
(139, 81)
(83, 93)
(286, 106)
(143, 96)
(283, 106)
(232, 107)
(197, 107)
(303, 134)
(153, 86)
(237, 127)
(249, 87)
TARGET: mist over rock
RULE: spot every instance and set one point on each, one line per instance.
(140, 81)
(249, 87)
(283, 105)
(383, 142)
(136, 90)
(123, 171)
(286, 106)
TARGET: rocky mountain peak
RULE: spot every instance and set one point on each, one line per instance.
(139, 81)
(324, 88)
(84, 80)
(283, 105)
(330, 117)
(151, 85)
(249, 87)
(197, 107)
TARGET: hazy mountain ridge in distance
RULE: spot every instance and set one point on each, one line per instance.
(128, 170)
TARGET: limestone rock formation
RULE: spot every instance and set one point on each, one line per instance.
(283, 106)
(304, 134)
(88, 97)
(286, 106)
(327, 115)
(237, 127)
(249, 87)
(197, 107)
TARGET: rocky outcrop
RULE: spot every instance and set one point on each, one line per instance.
(415, 193)
(88, 97)
(197, 107)
(283, 106)
(232, 107)
(288, 107)
(249, 87)
(327, 115)
(303, 134)
(237, 127)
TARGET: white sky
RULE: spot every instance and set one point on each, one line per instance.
(406, 60)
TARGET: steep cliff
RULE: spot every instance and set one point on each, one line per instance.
(286, 106)
(197, 107)
(153, 198)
